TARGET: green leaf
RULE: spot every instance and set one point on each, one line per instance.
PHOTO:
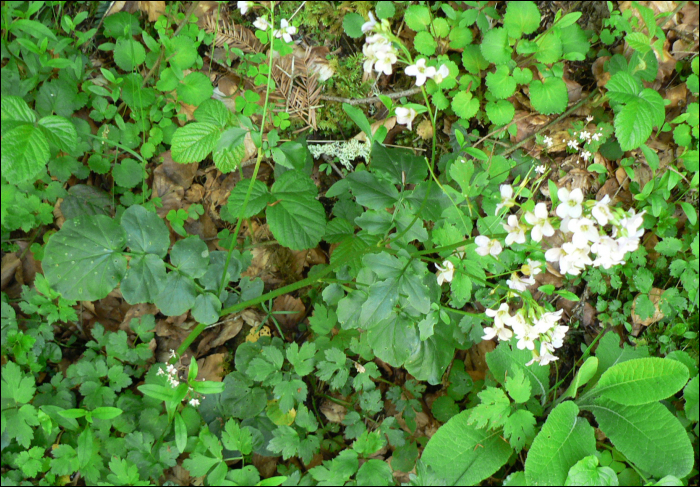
(15, 385)
(519, 429)
(500, 83)
(178, 295)
(550, 96)
(383, 295)
(670, 246)
(385, 10)
(259, 199)
(128, 173)
(425, 43)
(302, 359)
(193, 142)
(500, 112)
(290, 393)
(358, 116)
(32, 27)
(338, 229)
(465, 105)
(549, 48)
(521, 18)
(460, 37)
(227, 159)
(190, 256)
(429, 358)
(642, 381)
(352, 25)
(564, 440)
(505, 361)
(195, 88)
(213, 111)
(128, 54)
(463, 454)
(417, 17)
(394, 339)
(473, 60)
(371, 192)
(587, 472)
(638, 41)
(584, 374)
(495, 48)
(145, 231)
(374, 471)
(59, 132)
(206, 309)
(145, 279)
(83, 260)
(15, 111)
(296, 219)
(183, 54)
(518, 387)
(690, 394)
(24, 153)
(648, 435)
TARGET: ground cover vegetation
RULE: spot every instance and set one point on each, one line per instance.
(359, 243)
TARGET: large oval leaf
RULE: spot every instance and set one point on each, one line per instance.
(144, 280)
(642, 381)
(463, 454)
(83, 260)
(648, 435)
(145, 231)
(564, 440)
(178, 295)
(431, 357)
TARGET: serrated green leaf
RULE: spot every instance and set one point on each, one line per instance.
(371, 192)
(638, 41)
(84, 261)
(500, 112)
(128, 173)
(393, 339)
(194, 88)
(24, 153)
(417, 17)
(228, 159)
(500, 83)
(213, 111)
(59, 132)
(425, 43)
(549, 48)
(14, 110)
(465, 105)
(352, 25)
(550, 96)
(495, 47)
(521, 18)
(383, 295)
(259, 198)
(128, 54)
(193, 142)
(296, 219)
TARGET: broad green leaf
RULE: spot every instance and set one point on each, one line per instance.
(144, 280)
(213, 111)
(24, 153)
(584, 374)
(506, 361)
(549, 48)
(473, 60)
(587, 472)
(431, 357)
(195, 88)
(338, 229)
(648, 435)
(385, 266)
(564, 439)
(128, 173)
(193, 142)
(634, 120)
(190, 256)
(206, 309)
(128, 54)
(371, 192)
(465, 105)
(494, 46)
(296, 219)
(417, 17)
(178, 295)
(642, 381)
(393, 339)
(375, 222)
(638, 41)
(259, 199)
(401, 164)
(522, 76)
(15, 109)
(425, 43)
(184, 53)
(574, 43)
(16, 385)
(227, 159)
(145, 231)
(500, 112)
(418, 293)
(550, 96)
(383, 295)
(500, 83)
(32, 27)
(385, 10)
(83, 260)
(463, 454)
(690, 394)
(352, 25)
(521, 18)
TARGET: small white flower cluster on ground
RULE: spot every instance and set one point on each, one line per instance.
(173, 379)
(583, 137)
(346, 152)
(380, 53)
(536, 326)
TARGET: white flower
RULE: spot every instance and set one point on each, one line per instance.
(596, 136)
(370, 24)
(573, 144)
(285, 31)
(171, 369)
(601, 211)
(501, 316)
(445, 274)
(584, 135)
(379, 52)
(487, 246)
(420, 71)
(532, 268)
(608, 253)
(574, 259)
(525, 333)
(385, 60)
(584, 230)
(547, 321)
(160, 372)
(517, 283)
(545, 356)
(570, 203)
(632, 225)
(586, 155)
(507, 199)
(405, 116)
(548, 141)
(557, 335)
(244, 6)
(541, 169)
(516, 232)
(589, 118)
(540, 222)
(441, 74)
(194, 402)
(261, 23)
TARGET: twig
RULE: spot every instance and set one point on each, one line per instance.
(372, 99)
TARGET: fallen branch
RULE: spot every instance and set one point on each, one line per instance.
(371, 99)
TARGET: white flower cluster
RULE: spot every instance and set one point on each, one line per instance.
(423, 72)
(346, 152)
(380, 53)
(536, 326)
(582, 137)
(173, 379)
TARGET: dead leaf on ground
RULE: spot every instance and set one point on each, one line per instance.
(167, 190)
(425, 130)
(137, 311)
(389, 123)
(334, 412)
(219, 334)
(637, 322)
(153, 9)
(475, 360)
(293, 306)
(10, 263)
(308, 258)
(180, 174)
(211, 367)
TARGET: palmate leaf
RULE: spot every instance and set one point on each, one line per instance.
(84, 261)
